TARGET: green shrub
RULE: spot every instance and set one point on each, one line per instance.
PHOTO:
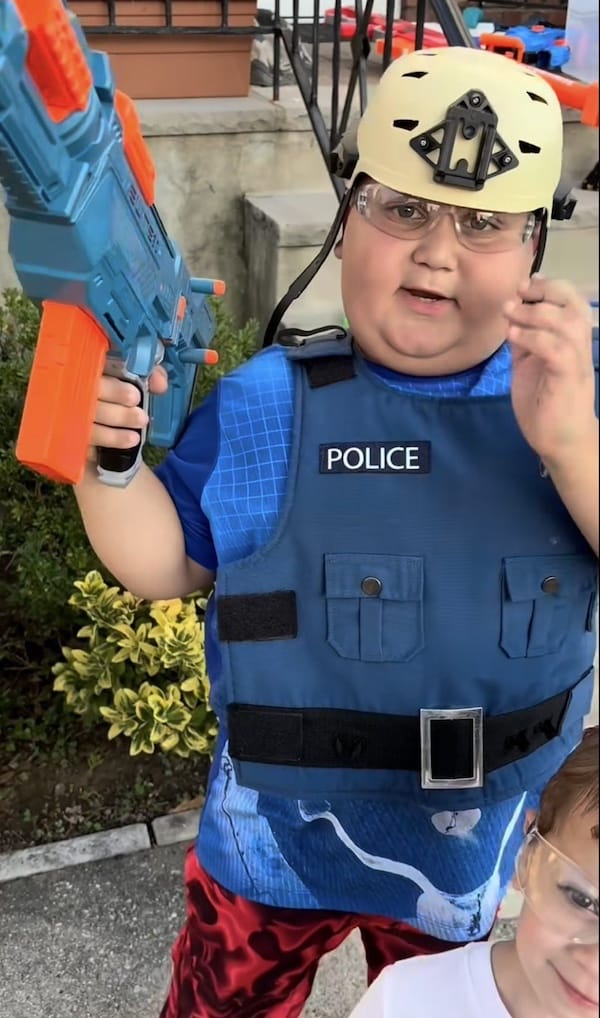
(43, 546)
(141, 669)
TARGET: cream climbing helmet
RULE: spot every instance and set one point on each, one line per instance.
(454, 126)
(464, 127)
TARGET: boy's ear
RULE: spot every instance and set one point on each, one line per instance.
(530, 819)
(338, 248)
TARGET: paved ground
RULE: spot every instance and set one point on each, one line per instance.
(93, 941)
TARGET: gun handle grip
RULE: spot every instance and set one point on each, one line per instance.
(117, 467)
(60, 404)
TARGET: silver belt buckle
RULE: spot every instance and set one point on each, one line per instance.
(475, 780)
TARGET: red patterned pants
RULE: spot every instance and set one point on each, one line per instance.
(238, 959)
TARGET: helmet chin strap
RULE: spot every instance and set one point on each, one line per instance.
(541, 244)
(299, 285)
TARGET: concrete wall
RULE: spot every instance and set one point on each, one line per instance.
(208, 154)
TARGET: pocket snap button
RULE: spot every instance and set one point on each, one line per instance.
(551, 585)
(371, 586)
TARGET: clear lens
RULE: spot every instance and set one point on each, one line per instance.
(405, 217)
(560, 894)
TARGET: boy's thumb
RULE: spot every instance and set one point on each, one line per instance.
(158, 381)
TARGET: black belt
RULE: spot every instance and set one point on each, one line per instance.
(450, 748)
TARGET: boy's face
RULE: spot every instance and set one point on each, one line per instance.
(562, 975)
(395, 328)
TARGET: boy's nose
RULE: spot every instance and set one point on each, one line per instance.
(438, 248)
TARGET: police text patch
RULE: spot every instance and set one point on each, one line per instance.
(400, 457)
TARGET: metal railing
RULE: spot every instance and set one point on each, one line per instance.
(292, 33)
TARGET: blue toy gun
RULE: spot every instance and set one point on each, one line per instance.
(545, 47)
(87, 240)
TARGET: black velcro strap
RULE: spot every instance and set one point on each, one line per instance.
(328, 370)
(369, 741)
(254, 617)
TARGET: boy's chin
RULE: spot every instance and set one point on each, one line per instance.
(423, 345)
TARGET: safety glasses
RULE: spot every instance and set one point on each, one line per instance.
(561, 895)
(408, 218)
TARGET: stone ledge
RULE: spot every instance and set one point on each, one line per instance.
(248, 114)
(298, 218)
(74, 852)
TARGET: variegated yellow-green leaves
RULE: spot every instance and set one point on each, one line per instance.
(140, 666)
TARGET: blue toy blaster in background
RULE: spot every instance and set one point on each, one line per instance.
(87, 240)
(545, 47)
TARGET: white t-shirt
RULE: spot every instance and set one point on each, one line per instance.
(456, 984)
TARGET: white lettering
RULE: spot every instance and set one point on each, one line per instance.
(375, 458)
(360, 458)
(390, 458)
(412, 457)
(333, 456)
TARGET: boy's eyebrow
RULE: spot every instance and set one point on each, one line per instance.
(595, 832)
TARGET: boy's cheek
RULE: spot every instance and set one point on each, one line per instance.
(537, 945)
(532, 939)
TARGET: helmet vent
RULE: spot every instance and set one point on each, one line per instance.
(406, 125)
(415, 74)
(537, 98)
(528, 147)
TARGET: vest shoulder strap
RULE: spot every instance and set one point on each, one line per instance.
(326, 355)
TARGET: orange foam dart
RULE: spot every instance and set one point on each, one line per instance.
(61, 397)
(576, 94)
(55, 59)
(181, 306)
(136, 151)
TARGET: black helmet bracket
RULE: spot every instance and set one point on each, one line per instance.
(472, 118)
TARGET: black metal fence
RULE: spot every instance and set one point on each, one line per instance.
(293, 33)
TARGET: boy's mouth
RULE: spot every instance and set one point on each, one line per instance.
(426, 303)
(427, 296)
(576, 996)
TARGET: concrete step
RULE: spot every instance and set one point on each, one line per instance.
(285, 231)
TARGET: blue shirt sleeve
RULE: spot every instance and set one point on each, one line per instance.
(185, 472)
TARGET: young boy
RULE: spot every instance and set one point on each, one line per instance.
(400, 526)
(551, 969)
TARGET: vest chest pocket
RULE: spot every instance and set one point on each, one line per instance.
(374, 606)
(544, 599)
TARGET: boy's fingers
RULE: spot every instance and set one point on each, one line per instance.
(113, 438)
(559, 292)
(544, 316)
(115, 390)
(113, 415)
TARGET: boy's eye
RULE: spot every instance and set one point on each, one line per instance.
(580, 899)
(481, 224)
(409, 212)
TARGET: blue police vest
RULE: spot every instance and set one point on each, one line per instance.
(422, 623)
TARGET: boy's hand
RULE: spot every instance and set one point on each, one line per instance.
(553, 385)
(117, 411)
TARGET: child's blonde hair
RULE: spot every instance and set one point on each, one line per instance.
(574, 788)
